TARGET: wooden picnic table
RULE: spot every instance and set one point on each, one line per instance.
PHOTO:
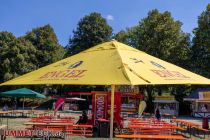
(155, 122)
(83, 125)
(147, 122)
(68, 128)
(47, 125)
(169, 128)
(5, 112)
(152, 127)
(66, 117)
(189, 125)
(58, 121)
(144, 120)
(185, 122)
(52, 120)
(134, 136)
(15, 112)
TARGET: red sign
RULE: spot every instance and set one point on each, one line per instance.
(99, 106)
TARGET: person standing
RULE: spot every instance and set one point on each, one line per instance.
(157, 113)
(5, 108)
(83, 119)
(15, 104)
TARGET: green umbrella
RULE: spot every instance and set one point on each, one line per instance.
(22, 92)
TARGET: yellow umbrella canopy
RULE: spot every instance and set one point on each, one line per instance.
(110, 63)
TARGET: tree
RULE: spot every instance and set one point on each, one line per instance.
(160, 35)
(16, 56)
(201, 44)
(128, 36)
(91, 30)
(47, 46)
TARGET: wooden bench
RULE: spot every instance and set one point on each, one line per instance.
(166, 137)
(79, 130)
(86, 135)
(205, 131)
(151, 131)
(53, 129)
(182, 130)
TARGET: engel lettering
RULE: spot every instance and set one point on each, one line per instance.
(166, 73)
(63, 74)
(71, 74)
(80, 72)
(178, 74)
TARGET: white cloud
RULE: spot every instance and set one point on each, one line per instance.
(109, 17)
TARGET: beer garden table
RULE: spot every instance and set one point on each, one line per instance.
(36, 124)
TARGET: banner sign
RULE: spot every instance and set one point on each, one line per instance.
(204, 95)
(117, 107)
(99, 104)
(164, 98)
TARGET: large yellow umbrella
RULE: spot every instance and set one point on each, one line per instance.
(111, 63)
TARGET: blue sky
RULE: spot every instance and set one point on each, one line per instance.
(21, 16)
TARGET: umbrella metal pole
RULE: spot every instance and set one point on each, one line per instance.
(112, 111)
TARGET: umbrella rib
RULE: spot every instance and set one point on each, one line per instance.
(135, 73)
(126, 66)
(122, 65)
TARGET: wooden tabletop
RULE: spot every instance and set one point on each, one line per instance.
(48, 124)
(186, 123)
(83, 125)
(174, 137)
(5, 112)
(153, 127)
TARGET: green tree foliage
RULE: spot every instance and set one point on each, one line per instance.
(129, 36)
(201, 44)
(48, 49)
(160, 35)
(16, 56)
(91, 30)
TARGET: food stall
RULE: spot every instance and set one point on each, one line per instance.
(130, 102)
(127, 101)
(167, 105)
(131, 98)
(200, 103)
